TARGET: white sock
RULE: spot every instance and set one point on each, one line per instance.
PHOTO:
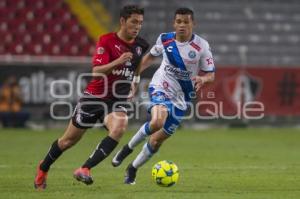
(140, 136)
(143, 156)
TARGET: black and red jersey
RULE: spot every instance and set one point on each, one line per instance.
(109, 48)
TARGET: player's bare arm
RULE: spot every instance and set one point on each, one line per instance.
(203, 79)
(147, 60)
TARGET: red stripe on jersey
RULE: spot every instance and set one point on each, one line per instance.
(198, 48)
(168, 41)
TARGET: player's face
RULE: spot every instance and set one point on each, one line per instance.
(183, 25)
(132, 26)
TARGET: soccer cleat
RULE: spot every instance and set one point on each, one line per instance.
(40, 178)
(130, 175)
(121, 155)
(83, 175)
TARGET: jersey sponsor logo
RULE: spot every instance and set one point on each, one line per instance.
(138, 50)
(182, 75)
(100, 50)
(170, 48)
(122, 72)
(178, 73)
(192, 54)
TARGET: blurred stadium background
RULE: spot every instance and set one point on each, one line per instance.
(256, 47)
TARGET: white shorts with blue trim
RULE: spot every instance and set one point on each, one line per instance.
(175, 114)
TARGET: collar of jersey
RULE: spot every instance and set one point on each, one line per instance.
(183, 43)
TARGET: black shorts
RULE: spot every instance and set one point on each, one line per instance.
(90, 109)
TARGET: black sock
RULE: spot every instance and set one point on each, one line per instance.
(53, 153)
(103, 150)
(124, 152)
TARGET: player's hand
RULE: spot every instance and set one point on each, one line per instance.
(199, 82)
(124, 58)
(133, 89)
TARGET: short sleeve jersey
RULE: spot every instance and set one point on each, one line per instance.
(180, 62)
(116, 84)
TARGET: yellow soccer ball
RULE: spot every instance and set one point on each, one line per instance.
(165, 173)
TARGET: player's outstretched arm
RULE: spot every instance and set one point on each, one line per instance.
(107, 68)
(147, 60)
(203, 79)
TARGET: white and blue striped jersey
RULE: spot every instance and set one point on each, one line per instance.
(180, 62)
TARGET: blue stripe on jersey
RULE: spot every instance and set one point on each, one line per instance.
(168, 40)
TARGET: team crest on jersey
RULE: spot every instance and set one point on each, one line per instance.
(192, 54)
(100, 50)
(138, 50)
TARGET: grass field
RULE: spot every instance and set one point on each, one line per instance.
(214, 163)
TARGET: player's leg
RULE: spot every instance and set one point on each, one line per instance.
(82, 119)
(156, 139)
(127, 149)
(159, 114)
(148, 150)
(70, 137)
(116, 123)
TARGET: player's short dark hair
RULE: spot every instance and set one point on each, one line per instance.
(128, 10)
(184, 11)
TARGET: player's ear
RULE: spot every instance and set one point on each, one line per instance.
(122, 21)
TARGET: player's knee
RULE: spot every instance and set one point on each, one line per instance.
(66, 143)
(155, 144)
(117, 133)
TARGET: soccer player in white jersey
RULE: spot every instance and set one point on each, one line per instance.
(172, 87)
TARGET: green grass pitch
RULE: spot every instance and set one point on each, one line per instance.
(213, 163)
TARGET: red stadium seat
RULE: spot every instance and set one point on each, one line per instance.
(21, 13)
(37, 37)
(16, 48)
(34, 4)
(4, 13)
(45, 27)
(41, 14)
